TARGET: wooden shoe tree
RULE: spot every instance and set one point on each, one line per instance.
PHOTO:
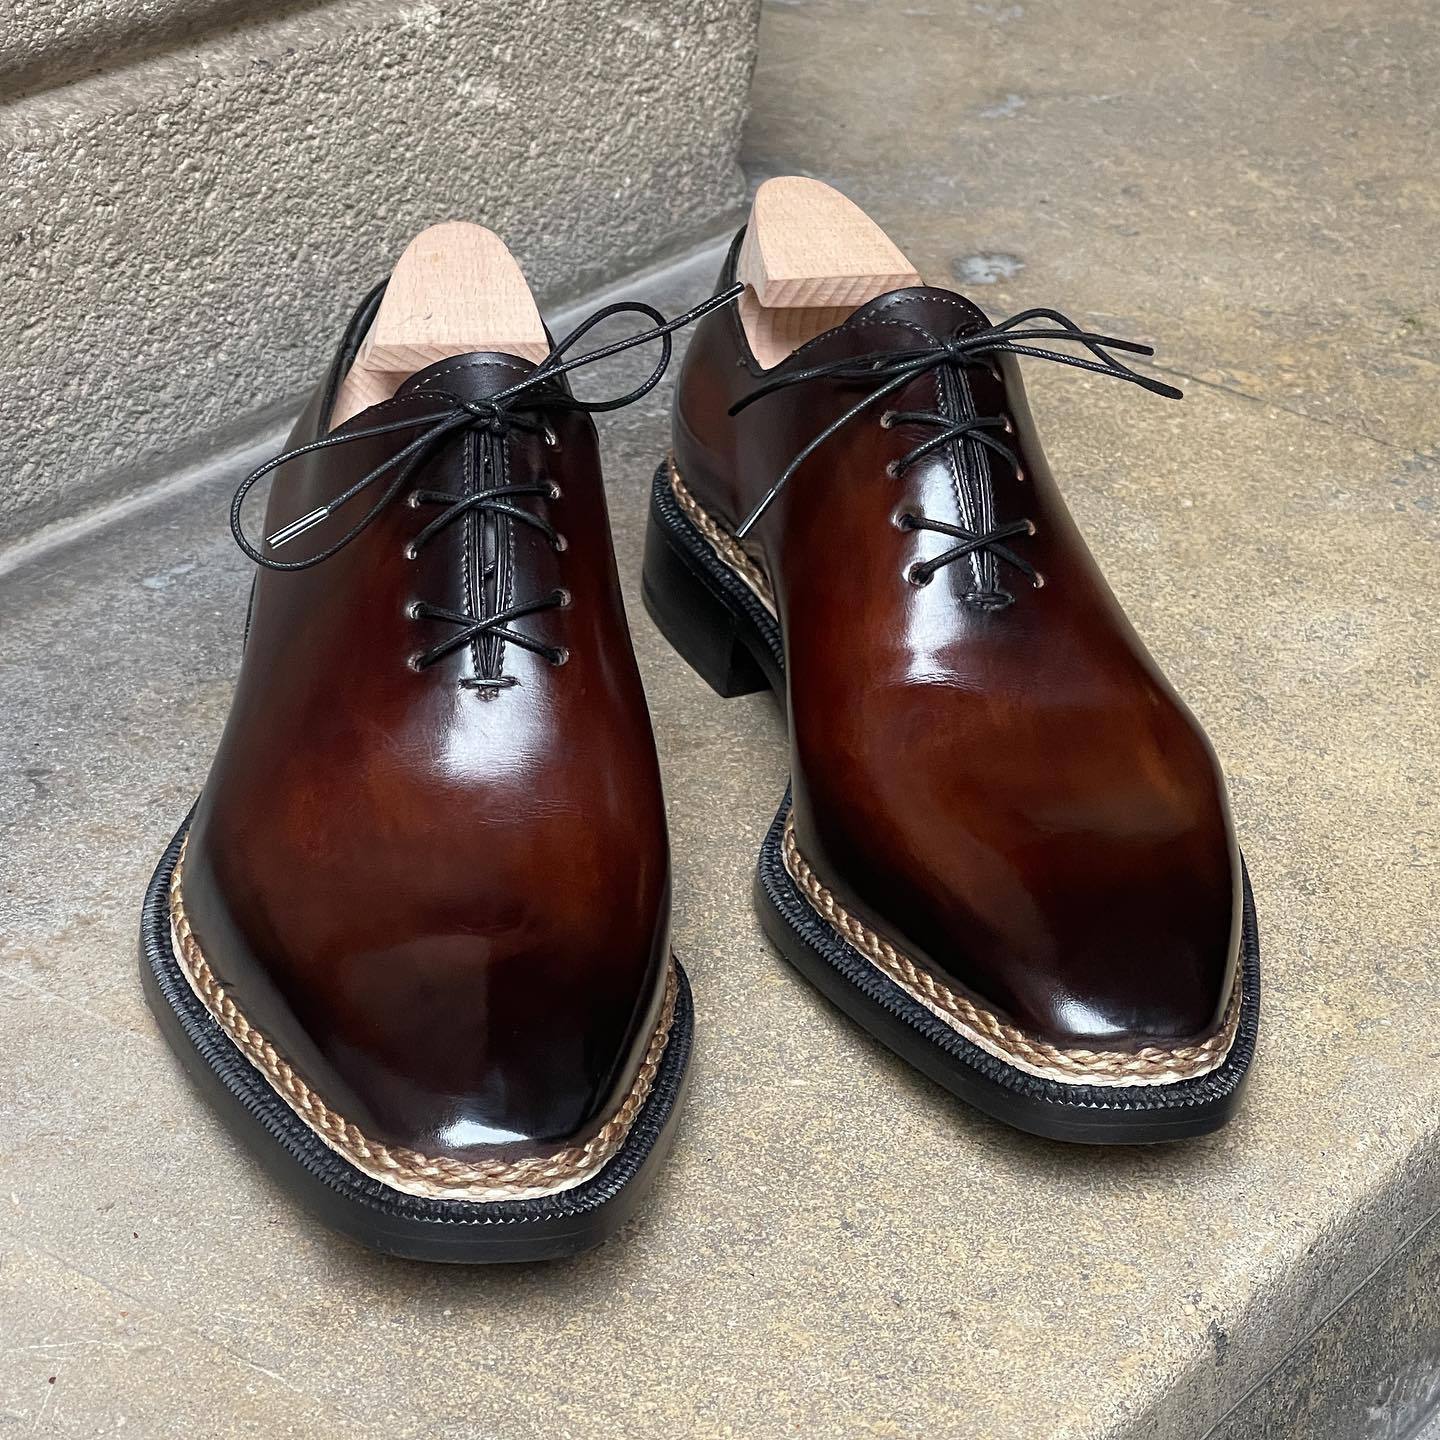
(456, 289)
(810, 258)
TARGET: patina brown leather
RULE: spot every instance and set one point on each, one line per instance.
(447, 907)
(1011, 793)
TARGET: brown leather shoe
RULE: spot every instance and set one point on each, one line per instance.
(414, 938)
(1007, 849)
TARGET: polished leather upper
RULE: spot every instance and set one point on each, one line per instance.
(1015, 796)
(447, 907)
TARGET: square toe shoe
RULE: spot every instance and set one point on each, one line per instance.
(413, 939)
(1007, 849)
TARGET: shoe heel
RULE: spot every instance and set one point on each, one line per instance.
(706, 632)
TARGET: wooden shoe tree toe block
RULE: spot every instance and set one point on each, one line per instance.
(455, 290)
(809, 259)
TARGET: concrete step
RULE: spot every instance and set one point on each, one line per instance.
(838, 1248)
(44, 45)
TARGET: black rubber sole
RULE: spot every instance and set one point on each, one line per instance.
(727, 635)
(348, 1200)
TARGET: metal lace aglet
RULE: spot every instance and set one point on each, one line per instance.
(297, 527)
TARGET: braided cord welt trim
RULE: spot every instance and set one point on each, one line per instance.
(437, 1178)
(725, 545)
(1150, 1065)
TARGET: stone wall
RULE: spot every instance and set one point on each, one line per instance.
(191, 211)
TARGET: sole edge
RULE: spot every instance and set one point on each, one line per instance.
(364, 1208)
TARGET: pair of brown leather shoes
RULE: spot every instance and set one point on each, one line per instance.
(414, 941)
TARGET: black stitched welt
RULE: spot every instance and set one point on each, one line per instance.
(826, 942)
(278, 1124)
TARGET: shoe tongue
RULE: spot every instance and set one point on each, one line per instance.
(937, 313)
(475, 376)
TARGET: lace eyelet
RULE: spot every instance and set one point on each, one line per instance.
(565, 597)
(1009, 426)
(904, 520)
(1020, 476)
(413, 500)
(1029, 526)
(918, 578)
(892, 469)
(414, 663)
(555, 491)
(560, 544)
(411, 553)
(551, 438)
(562, 654)
(1039, 581)
(887, 419)
(412, 610)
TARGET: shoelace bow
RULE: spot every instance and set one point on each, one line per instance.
(894, 369)
(517, 407)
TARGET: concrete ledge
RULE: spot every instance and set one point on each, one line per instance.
(187, 233)
(1372, 1369)
(47, 42)
(836, 1250)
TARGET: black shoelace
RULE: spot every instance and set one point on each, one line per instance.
(894, 369)
(517, 407)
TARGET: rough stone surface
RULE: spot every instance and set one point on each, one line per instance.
(180, 232)
(48, 42)
(837, 1249)
(1245, 184)
(1371, 1371)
